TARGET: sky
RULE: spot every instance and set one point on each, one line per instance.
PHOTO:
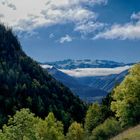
(52, 30)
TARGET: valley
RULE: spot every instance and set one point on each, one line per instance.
(70, 70)
(90, 80)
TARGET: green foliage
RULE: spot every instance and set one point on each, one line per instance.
(106, 130)
(23, 84)
(20, 126)
(126, 102)
(25, 126)
(93, 117)
(50, 129)
(106, 107)
(75, 132)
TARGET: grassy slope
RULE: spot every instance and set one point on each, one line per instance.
(130, 134)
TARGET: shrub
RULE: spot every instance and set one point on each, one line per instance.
(75, 132)
(109, 128)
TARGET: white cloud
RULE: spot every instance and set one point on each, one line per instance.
(89, 27)
(30, 14)
(8, 4)
(1, 15)
(97, 1)
(51, 35)
(46, 66)
(127, 31)
(12, 6)
(74, 14)
(66, 38)
(135, 16)
(83, 72)
(27, 34)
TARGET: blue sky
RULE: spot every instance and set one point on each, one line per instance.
(51, 30)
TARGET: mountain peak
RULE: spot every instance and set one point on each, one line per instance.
(85, 63)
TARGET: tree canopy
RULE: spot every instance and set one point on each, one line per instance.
(25, 126)
(93, 117)
(126, 98)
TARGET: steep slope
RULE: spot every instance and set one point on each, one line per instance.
(101, 75)
(130, 134)
(105, 83)
(85, 92)
(23, 84)
(88, 88)
(67, 80)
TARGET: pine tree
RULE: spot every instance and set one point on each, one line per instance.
(93, 117)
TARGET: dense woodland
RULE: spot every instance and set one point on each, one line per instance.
(43, 109)
(23, 84)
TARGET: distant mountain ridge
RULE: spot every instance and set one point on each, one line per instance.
(86, 63)
(89, 88)
(84, 91)
(105, 83)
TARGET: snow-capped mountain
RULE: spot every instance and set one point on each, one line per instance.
(86, 63)
(90, 80)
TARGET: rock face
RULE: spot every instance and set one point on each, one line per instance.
(24, 84)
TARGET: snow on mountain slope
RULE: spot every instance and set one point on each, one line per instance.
(85, 63)
(90, 80)
(46, 66)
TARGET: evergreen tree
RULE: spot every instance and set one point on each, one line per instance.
(93, 117)
(24, 84)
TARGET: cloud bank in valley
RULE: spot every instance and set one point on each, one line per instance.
(85, 72)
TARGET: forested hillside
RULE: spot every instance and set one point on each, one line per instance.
(23, 84)
(43, 109)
